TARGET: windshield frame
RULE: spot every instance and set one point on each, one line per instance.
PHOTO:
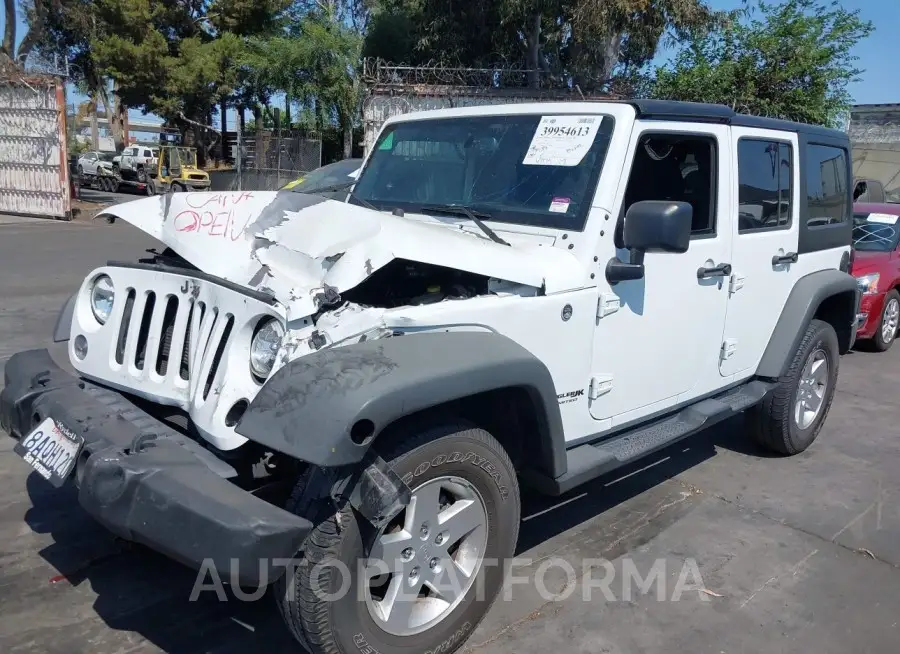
(862, 218)
(499, 214)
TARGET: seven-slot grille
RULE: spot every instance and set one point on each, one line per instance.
(174, 338)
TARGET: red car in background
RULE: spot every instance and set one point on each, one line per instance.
(876, 266)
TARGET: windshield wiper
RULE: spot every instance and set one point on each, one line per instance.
(340, 187)
(462, 210)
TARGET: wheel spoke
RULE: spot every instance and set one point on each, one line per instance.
(460, 519)
(388, 549)
(450, 583)
(819, 371)
(423, 507)
(814, 401)
(398, 603)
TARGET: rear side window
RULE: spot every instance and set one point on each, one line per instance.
(826, 185)
(765, 171)
(147, 153)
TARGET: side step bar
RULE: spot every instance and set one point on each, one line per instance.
(586, 462)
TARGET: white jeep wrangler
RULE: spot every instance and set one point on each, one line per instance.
(530, 294)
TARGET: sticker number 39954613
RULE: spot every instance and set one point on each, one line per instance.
(562, 140)
(51, 449)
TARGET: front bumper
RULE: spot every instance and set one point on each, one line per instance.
(148, 483)
(196, 184)
(868, 317)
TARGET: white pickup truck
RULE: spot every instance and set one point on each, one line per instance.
(137, 161)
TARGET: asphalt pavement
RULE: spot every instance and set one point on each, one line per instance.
(754, 553)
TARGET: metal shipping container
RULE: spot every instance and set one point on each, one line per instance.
(34, 176)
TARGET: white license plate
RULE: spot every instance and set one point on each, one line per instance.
(51, 449)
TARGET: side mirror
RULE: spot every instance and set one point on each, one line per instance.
(655, 226)
(651, 226)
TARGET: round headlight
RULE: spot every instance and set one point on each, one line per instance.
(264, 347)
(102, 296)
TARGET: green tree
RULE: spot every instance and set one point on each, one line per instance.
(792, 60)
(586, 42)
(317, 63)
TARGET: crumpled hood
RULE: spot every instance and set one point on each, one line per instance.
(299, 247)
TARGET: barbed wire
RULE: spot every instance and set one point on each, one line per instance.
(875, 133)
(436, 78)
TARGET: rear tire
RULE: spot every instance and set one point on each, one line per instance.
(886, 333)
(141, 174)
(788, 420)
(177, 188)
(442, 464)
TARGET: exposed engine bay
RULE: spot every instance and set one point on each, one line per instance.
(404, 283)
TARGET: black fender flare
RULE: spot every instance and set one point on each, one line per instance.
(308, 408)
(63, 328)
(803, 303)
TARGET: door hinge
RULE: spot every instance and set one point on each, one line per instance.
(729, 346)
(736, 283)
(600, 385)
(607, 304)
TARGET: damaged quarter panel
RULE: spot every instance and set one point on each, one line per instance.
(308, 409)
(298, 246)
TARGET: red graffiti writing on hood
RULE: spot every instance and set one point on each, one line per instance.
(223, 224)
(204, 200)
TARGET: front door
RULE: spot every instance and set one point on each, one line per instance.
(765, 212)
(660, 346)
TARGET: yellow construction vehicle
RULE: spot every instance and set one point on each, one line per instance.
(177, 170)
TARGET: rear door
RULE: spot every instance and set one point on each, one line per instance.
(766, 192)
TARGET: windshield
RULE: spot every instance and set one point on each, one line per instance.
(526, 169)
(106, 156)
(875, 232)
(187, 157)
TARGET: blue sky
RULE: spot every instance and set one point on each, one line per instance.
(878, 83)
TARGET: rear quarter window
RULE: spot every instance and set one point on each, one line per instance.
(826, 185)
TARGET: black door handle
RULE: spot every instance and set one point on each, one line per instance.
(722, 270)
(790, 257)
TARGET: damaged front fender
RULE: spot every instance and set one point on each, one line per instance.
(326, 408)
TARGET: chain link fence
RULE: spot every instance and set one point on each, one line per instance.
(266, 160)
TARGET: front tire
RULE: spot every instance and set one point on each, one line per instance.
(445, 552)
(788, 420)
(886, 333)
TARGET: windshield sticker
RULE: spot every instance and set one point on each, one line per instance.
(387, 143)
(560, 205)
(884, 218)
(562, 140)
